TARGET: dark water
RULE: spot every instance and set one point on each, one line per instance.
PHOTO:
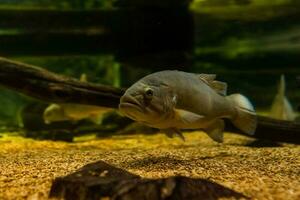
(248, 44)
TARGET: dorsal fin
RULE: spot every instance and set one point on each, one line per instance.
(208, 77)
(218, 86)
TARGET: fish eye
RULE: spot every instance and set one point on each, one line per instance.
(148, 93)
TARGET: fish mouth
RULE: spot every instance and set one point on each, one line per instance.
(129, 102)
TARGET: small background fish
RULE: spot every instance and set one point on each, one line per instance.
(74, 112)
(281, 107)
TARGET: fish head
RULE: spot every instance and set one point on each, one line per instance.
(53, 113)
(147, 102)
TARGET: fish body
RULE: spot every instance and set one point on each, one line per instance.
(74, 112)
(281, 107)
(174, 100)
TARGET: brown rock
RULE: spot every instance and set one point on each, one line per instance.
(100, 180)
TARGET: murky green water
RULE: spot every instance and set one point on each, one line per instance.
(247, 43)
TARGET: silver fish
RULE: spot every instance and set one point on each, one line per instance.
(174, 100)
(281, 107)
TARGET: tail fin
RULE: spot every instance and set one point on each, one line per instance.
(281, 107)
(245, 119)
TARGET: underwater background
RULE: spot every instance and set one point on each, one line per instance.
(247, 43)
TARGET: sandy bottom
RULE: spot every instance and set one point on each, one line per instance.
(28, 167)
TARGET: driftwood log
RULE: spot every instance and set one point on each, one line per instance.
(44, 85)
(100, 180)
(47, 86)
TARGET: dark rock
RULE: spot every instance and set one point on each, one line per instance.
(263, 143)
(93, 181)
(54, 135)
(99, 180)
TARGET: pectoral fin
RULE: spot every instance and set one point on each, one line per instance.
(170, 132)
(187, 117)
(215, 131)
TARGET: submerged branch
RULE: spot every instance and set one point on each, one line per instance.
(48, 86)
(42, 84)
(272, 129)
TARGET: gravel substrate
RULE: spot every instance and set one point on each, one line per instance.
(27, 167)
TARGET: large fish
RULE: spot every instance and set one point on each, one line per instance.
(281, 107)
(174, 100)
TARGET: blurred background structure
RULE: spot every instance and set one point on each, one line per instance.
(248, 43)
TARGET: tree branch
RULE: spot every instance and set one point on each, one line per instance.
(42, 84)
